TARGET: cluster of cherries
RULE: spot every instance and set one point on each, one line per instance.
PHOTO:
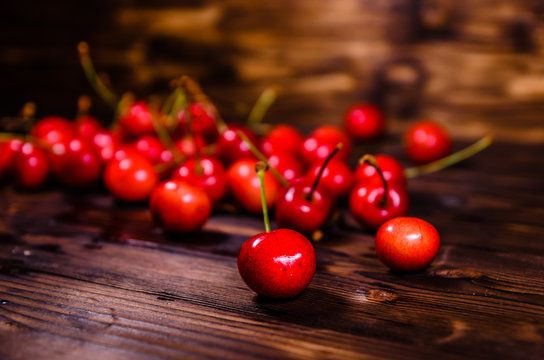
(185, 160)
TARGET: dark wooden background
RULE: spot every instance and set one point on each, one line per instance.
(82, 276)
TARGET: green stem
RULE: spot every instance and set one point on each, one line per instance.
(310, 195)
(450, 159)
(267, 98)
(260, 168)
(101, 89)
(372, 161)
(263, 158)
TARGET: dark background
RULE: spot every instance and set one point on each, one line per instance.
(475, 66)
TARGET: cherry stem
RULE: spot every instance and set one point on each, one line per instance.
(260, 168)
(164, 136)
(371, 160)
(84, 104)
(259, 155)
(310, 195)
(450, 159)
(98, 85)
(263, 103)
(191, 134)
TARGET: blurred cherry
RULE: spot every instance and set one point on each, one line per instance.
(426, 141)
(209, 175)
(364, 121)
(322, 142)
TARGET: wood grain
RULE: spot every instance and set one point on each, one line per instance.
(82, 276)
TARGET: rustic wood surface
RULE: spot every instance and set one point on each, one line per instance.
(82, 276)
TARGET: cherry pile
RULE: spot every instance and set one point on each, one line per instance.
(186, 162)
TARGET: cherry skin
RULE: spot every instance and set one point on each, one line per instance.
(364, 122)
(202, 119)
(130, 178)
(277, 264)
(337, 177)
(282, 138)
(407, 243)
(287, 164)
(105, 143)
(189, 145)
(392, 171)
(179, 207)
(75, 163)
(427, 141)
(230, 147)
(31, 166)
(243, 182)
(53, 129)
(295, 211)
(8, 152)
(322, 142)
(366, 203)
(87, 126)
(137, 120)
(152, 148)
(212, 179)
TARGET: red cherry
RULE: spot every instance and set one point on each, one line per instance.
(282, 138)
(75, 163)
(212, 179)
(202, 119)
(87, 126)
(364, 121)
(31, 166)
(137, 120)
(8, 153)
(337, 177)
(243, 182)
(294, 210)
(130, 178)
(53, 129)
(367, 204)
(179, 207)
(150, 147)
(230, 147)
(427, 141)
(407, 243)
(322, 142)
(392, 170)
(105, 143)
(287, 164)
(189, 145)
(277, 264)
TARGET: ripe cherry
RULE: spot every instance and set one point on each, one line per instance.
(31, 166)
(230, 147)
(282, 138)
(392, 171)
(279, 263)
(137, 120)
(202, 119)
(364, 121)
(75, 163)
(130, 178)
(407, 243)
(53, 129)
(287, 164)
(337, 177)
(8, 153)
(322, 142)
(209, 175)
(427, 141)
(87, 126)
(106, 142)
(179, 207)
(243, 183)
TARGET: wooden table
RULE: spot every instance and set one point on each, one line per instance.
(82, 276)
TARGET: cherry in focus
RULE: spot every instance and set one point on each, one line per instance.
(364, 122)
(210, 176)
(407, 243)
(337, 177)
(179, 207)
(427, 141)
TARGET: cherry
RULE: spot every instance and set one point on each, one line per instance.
(75, 163)
(87, 126)
(407, 243)
(287, 164)
(364, 121)
(188, 146)
(152, 148)
(322, 142)
(243, 183)
(427, 141)
(202, 119)
(392, 171)
(179, 207)
(279, 263)
(106, 142)
(8, 153)
(31, 166)
(137, 120)
(372, 203)
(209, 175)
(282, 138)
(53, 129)
(230, 147)
(337, 177)
(130, 176)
